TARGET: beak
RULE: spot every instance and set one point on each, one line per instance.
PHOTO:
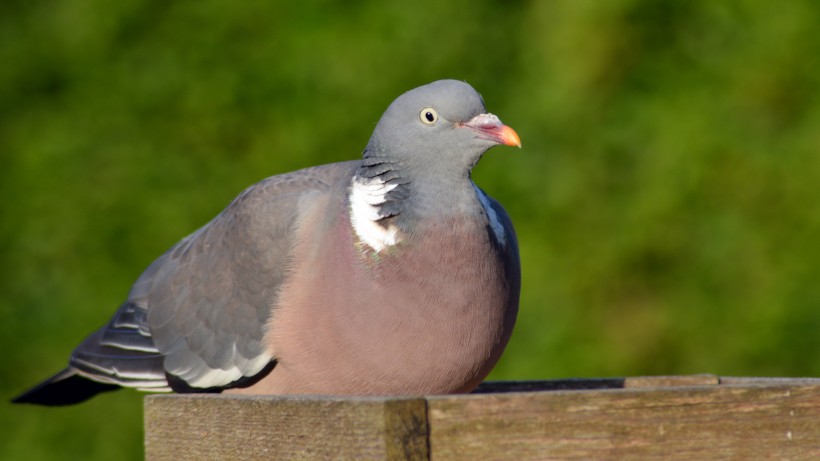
(489, 127)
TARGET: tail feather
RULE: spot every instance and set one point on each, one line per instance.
(118, 355)
(65, 388)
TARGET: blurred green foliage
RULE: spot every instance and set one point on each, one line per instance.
(667, 198)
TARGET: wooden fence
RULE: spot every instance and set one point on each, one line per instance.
(659, 418)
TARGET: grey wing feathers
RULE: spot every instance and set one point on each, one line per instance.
(199, 312)
(122, 354)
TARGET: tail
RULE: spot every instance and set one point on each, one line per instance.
(117, 355)
(65, 388)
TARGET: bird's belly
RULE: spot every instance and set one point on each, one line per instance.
(414, 320)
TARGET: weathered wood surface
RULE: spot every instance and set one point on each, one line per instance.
(687, 423)
(670, 418)
(220, 427)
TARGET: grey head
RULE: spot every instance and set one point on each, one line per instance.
(442, 126)
(427, 142)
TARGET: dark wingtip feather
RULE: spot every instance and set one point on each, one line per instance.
(64, 388)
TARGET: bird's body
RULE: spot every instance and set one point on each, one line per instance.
(385, 342)
(391, 275)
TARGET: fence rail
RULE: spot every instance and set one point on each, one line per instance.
(668, 418)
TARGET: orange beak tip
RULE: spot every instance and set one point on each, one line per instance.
(509, 137)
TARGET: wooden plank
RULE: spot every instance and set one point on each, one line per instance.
(731, 421)
(675, 417)
(208, 426)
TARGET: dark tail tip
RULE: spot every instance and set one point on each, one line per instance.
(65, 388)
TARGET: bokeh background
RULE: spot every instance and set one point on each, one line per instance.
(667, 197)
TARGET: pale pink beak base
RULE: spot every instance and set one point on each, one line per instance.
(488, 126)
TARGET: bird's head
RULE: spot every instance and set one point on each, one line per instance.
(442, 126)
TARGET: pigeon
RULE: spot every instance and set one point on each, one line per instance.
(392, 275)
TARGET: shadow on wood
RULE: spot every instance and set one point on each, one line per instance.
(669, 418)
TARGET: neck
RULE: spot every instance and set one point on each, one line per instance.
(377, 194)
(386, 206)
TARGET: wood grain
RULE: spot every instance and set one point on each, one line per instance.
(652, 418)
(206, 426)
(688, 423)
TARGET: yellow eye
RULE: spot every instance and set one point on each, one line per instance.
(428, 116)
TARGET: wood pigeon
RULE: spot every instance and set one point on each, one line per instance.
(390, 275)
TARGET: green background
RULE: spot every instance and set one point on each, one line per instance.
(666, 197)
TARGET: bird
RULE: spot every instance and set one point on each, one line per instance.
(390, 275)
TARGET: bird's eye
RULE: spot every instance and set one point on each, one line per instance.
(428, 116)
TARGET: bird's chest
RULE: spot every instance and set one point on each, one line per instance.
(445, 269)
(425, 316)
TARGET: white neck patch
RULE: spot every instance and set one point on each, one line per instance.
(492, 217)
(365, 196)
